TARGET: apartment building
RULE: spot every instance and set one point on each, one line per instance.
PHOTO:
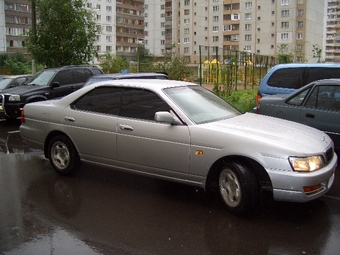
(332, 40)
(257, 26)
(15, 22)
(122, 23)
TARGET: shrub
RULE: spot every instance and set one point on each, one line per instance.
(244, 100)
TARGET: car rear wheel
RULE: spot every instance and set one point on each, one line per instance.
(238, 187)
(62, 155)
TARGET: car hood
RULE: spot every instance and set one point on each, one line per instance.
(274, 132)
(19, 90)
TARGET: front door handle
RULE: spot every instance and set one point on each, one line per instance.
(309, 115)
(125, 127)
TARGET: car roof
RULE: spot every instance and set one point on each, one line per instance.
(331, 81)
(154, 84)
(127, 75)
(290, 65)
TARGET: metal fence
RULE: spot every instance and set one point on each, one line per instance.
(230, 70)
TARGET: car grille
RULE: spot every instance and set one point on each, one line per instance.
(329, 154)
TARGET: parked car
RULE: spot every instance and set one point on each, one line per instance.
(47, 84)
(122, 76)
(182, 132)
(286, 78)
(316, 104)
(10, 81)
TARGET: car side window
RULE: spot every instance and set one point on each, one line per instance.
(81, 75)
(64, 77)
(298, 99)
(141, 104)
(311, 102)
(319, 73)
(104, 100)
(286, 78)
(328, 97)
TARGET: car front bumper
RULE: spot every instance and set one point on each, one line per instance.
(289, 186)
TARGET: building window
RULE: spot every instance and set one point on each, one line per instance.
(300, 24)
(108, 28)
(162, 42)
(247, 48)
(285, 13)
(109, 8)
(215, 38)
(108, 18)
(215, 28)
(247, 37)
(216, 8)
(299, 47)
(215, 18)
(247, 27)
(162, 7)
(299, 36)
(108, 38)
(247, 16)
(186, 49)
(186, 12)
(248, 5)
(186, 30)
(284, 2)
(186, 2)
(186, 40)
(235, 16)
(285, 24)
(99, 17)
(108, 48)
(284, 36)
(273, 24)
(300, 13)
(227, 27)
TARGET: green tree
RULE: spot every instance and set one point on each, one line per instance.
(112, 64)
(284, 55)
(317, 52)
(145, 59)
(174, 65)
(15, 63)
(65, 34)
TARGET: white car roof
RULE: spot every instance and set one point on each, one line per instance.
(153, 84)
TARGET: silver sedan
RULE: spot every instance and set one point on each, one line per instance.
(182, 132)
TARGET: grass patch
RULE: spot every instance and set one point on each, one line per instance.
(244, 100)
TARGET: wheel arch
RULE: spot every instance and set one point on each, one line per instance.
(50, 136)
(260, 173)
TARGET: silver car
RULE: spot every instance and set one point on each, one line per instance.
(182, 132)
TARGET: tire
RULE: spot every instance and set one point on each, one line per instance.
(237, 187)
(63, 155)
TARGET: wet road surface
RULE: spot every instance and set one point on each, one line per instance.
(101, 211)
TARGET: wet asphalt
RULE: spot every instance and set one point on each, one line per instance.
(100, 211)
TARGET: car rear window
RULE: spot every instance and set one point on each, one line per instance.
(287, 78)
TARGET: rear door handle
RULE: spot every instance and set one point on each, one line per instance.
(309, 115)
(125, 127)
(70, 119)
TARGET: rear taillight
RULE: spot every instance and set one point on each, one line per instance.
(258, 98)
(22, 116)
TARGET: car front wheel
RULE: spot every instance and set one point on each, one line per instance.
(62, 155)
(238, 187)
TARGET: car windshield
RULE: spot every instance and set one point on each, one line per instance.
(4, 82)
(41, 78)
(201, 105)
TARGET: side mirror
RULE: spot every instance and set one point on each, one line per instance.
(166, 117)
(55, 85)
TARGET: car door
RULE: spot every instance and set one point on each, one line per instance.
(91, 121)
(146, 145)
(322, 110)
(64, 79)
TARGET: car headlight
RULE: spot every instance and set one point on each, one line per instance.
(307, 164)
(14, 98)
